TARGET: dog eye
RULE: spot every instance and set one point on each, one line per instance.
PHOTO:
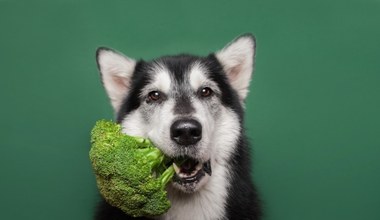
(154, 95)
(206, 92)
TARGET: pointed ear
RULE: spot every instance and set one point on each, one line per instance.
(237, 59)
(116, 71)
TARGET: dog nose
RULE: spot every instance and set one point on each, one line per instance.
(186, 131)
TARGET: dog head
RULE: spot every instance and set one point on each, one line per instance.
(188, 106)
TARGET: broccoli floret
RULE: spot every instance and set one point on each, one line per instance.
(131, 173)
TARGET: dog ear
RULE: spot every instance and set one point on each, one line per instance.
(237, 59)
(116, 72)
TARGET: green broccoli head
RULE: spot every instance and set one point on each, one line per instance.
(131, 173)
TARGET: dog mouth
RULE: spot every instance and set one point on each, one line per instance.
(189, 172)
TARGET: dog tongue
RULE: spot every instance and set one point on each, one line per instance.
(188, 166)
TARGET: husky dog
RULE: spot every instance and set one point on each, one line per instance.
(192, 107)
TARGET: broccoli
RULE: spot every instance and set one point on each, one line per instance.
(131, 173)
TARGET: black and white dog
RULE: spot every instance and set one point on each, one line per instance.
(192, 107)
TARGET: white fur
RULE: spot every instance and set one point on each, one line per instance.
(159, 129)
(133, 124)
(161, 81)
(197, 76)
(209, 126)
(116, 70)
(237, 60)
(225, 136)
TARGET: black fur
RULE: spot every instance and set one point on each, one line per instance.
(183, 106)
(242, 201)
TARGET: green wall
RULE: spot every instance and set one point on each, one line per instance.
(313, 110)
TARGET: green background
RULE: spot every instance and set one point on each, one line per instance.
(312, 113)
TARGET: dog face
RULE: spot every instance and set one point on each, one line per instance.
(189, 107)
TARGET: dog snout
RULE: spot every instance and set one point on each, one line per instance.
(186, 132)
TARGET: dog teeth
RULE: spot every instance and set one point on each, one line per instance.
(176, 168)
(184, 175)
(199, 166)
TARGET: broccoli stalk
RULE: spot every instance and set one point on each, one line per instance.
(131, 173)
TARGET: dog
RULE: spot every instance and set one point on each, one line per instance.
(190, 107)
